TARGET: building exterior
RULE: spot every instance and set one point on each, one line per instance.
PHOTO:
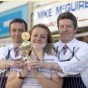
(47, 14)
(42, 12)
(9, 11)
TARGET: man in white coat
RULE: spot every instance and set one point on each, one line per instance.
(16, 27)
(72, 54)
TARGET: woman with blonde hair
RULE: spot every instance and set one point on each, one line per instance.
(35, 76)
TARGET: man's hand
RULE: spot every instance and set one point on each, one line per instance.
(17, 63)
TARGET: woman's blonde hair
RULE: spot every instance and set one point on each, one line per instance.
(49, 48)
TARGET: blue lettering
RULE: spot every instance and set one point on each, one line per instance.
(58, 10)
(68, 7)
(72, 6)
(44, 13)
(63, 8)
(40, 14)
(50, 12)
(81, 4)
(86, 4)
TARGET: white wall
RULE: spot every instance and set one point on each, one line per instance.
(48, 14)
(5, 6)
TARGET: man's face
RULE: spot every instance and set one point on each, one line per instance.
(66, 30)
(16, 29)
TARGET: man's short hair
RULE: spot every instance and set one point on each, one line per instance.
(67, 15)
(20, 21)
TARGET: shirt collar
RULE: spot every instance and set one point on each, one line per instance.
(70, 45)
(11, 46)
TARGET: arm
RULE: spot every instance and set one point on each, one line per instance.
(74, 66)
(55, 77)
(14, 81)
(54, 82)
(3, 62)
(6, 63)
(78, 63)
(51, 65)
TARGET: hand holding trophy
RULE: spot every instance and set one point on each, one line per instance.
(25, 47)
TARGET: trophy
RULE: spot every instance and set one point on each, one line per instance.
(25, 47)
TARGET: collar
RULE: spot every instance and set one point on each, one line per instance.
(11, 46)
(71, 44)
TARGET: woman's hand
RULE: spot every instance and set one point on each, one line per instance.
(33, 64)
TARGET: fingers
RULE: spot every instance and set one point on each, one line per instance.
(19, 63)
(22, 64)
(33, 63)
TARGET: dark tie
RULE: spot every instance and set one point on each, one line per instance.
(65, 47)
(16, 51)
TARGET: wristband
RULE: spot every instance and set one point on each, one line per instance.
(20, 76)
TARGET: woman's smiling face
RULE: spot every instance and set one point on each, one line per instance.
(39, 37)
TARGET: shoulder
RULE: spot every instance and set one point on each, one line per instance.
(4, 51)
(5, 47)
(81, 43)
(57, 44)
(81, 49)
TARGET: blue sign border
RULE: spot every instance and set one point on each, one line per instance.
(6, 17)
